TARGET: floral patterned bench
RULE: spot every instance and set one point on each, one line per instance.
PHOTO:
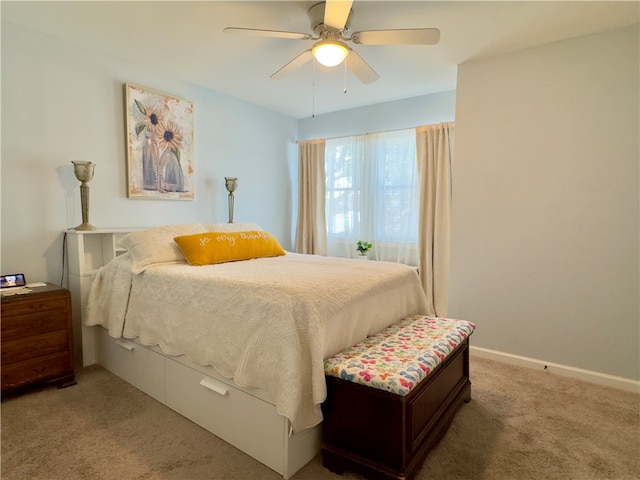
(391, 397)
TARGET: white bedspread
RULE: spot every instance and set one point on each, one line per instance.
(267, 323)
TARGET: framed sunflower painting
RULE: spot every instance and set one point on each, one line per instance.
(160, 160)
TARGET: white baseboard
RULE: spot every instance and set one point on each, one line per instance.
(621, 383)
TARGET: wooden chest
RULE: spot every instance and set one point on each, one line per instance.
(388, 436)
(36, 342)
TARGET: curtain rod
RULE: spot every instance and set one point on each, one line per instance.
(371, 133)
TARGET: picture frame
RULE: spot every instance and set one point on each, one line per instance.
(160, 154)
(13, 280)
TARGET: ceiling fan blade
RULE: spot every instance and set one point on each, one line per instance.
(360, 68)
(294, 64)
(410, 36)
(336, 13)
(267, 33)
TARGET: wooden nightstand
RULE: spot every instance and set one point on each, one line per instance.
(37, 341)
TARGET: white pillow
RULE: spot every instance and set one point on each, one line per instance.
(233, 227)
(155, 246)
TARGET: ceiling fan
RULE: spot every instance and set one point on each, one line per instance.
(330, 22)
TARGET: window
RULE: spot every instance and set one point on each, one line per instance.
(371, 194)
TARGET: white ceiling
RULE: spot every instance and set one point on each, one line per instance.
(185, 40)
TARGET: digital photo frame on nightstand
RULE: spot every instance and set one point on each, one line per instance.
(13, 280)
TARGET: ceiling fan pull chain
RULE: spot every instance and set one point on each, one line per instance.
(345, 75)
(313, 89)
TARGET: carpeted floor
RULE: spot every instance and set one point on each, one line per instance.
(520, 424)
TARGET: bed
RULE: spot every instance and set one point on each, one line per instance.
(238, 347)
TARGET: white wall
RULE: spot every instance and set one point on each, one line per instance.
(60, 103)
(545, 203)
(406, 113)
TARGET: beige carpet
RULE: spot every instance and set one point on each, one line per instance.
(520, 424)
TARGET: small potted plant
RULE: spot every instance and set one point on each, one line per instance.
(363, 248)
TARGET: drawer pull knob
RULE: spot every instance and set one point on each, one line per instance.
(206, 383)
(126, 345)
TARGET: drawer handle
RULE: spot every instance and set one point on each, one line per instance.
(206, 383)
(126, 345)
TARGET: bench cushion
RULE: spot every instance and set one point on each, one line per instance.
(400, 356)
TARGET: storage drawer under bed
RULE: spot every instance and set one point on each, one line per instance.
(141, 367)
(232, 414)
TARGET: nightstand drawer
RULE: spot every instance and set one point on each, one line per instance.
(28, 304)
(28, 325)
(22, 349)
(41, 368)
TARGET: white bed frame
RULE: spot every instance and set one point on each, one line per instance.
(246, 418)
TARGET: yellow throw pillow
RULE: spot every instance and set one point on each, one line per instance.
(220, 247)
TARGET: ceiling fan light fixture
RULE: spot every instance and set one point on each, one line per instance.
(330, 52)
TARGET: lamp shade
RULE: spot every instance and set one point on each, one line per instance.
(330, 52)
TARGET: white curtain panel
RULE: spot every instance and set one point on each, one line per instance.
(311, 233)
(434, 146)
(372, 185)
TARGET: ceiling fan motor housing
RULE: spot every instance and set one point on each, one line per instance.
(316, 17)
